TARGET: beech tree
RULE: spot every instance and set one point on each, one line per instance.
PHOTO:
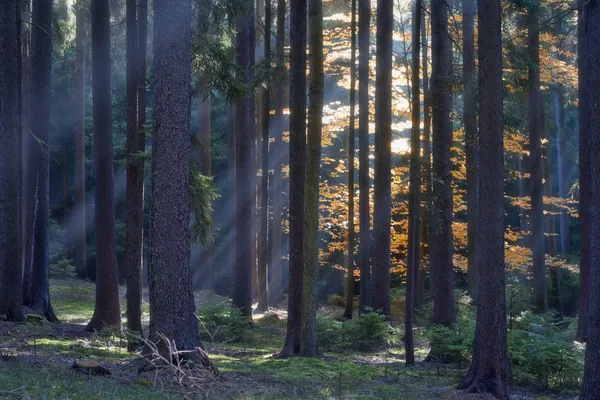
(172, 307)
(488, 372)
(107, 311)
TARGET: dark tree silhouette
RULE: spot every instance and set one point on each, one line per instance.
(489, 369)
(364, 251)
(107, 311)
(349, 289)
(172, 308)
(298, 13)
(441, 105)
(383, 159)
(244, 143)
(415, 189)
(11, 291)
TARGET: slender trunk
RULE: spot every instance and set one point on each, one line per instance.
(441, 97)
(142, 21)
(172, 308)
(80, 254)
(41, 61)
(297, 97)
(263, 295)
(591, 374)
(245, 176)
(308, 343)
(584, 178)
(276, 284)
(383, 159)
(349, 308)
(364, 258)
(559, 113)
(107, 312)
(11, 291)
(135, 182)
(413, 262)
(489, 369)
(471, 142)
(535, 162)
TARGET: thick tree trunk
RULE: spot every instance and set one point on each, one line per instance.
(383, 159)
(107, 312)
(11, 291)
(41, 62)
(584, 179)
(471, 142)
(276, 283)
(244, 144)
(349, 288)
(80, 253)
(263, 295)
(298, 13)
(308, 343)
(172, 308)
(591, 374)
(535, 162)
(364, 250)
(441, 98)
(413, 262)
(489, 369)
(135, 182)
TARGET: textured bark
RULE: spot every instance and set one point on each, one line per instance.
(591, 374)
(172, 308)
(297, 97)
(107, 312)
(349, 289)
(471, 143)
(489, 368)
(559, 114)
(135, 181)
(383, 159)
(11, 291)
(413, 262)
(80, 253)
(276, 283)
(441, 98)
(364, 250)
(535, 162)
(426, 212)
(308, 343)
(40, 89)
(584, 179)
(141, 97)
(263, 294)
(244, 143)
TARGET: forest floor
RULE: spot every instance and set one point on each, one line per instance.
(36, 362)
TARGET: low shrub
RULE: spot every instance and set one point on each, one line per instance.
(63, 268)
(368, 331)
(222, 322)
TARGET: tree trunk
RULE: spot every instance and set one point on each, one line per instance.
(135, 182)
(107, 312)
(276, 283)
(308, 343)
(245, 138)
(80, 254)
(489, 368)
(584, 178)
(413, 262)
(471, 142)
(535, 162)
(172, 308)
(141, 97)
(349, 289)
(559, 113)
(364, 250)
(383, 159)
(591, 374)
(441, 98)
(263, 295)
(298, 12)
(11, 291)
(40, 89)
